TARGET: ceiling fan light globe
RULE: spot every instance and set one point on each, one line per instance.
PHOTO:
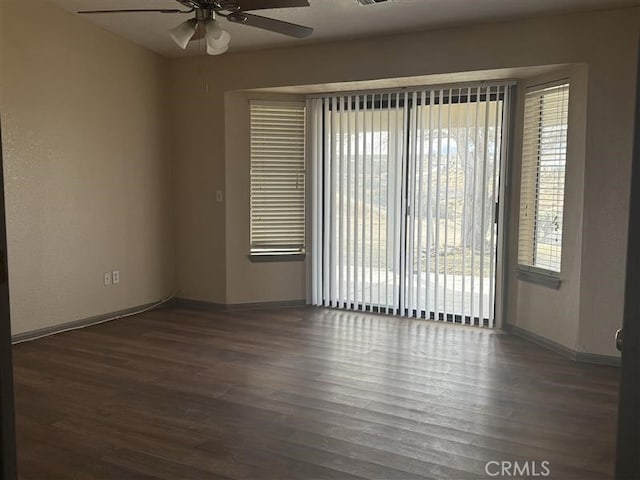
(182, 33)
(216, 51)
(220, 42)
(216, 37)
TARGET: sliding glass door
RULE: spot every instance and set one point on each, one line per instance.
(405, 188)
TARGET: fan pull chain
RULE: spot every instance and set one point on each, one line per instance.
(201, 66)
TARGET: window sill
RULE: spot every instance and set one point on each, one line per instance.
(276, 257)
(540, 277)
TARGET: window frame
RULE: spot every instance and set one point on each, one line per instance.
(263, 253)
(531, 273)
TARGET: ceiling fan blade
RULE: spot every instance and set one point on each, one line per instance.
(278, 26)
(264, 4)
(138, 10)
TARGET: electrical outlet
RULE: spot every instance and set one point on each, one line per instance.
(107, 278)
(116, 276)
(219, 196)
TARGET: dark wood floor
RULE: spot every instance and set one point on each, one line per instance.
(304, 393)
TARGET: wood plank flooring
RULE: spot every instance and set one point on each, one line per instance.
(304, 393)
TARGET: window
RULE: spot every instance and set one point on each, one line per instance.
(544, 155)
(277, 178)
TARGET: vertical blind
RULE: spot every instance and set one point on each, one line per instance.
(277, 178)
(403, 201)
(358, 145)
(544, 155)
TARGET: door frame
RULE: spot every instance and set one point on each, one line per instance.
(501, 292)
(7, 418)
(627, 458)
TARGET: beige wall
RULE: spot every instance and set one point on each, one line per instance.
(610, 55)
(87, 174)
(197, 125)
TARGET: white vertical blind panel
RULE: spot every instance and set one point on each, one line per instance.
(381, 264)
(452, 202)
(334, 214)
(402, 204)
(448, 212)
(465, 202)
(430, 227)
(314, 107)
(484, 213)
(326, 208)
(420, 204)
(349, 290)
(340, 206)
(388, 232)
(362, 160)
(354, 138)
(398, 217)
(411, 211)
(474, 199)
(438, 133)
(371, 178)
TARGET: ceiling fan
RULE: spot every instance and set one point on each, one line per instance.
(205, 24)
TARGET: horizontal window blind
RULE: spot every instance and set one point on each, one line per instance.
(544, 155)
(277, 178)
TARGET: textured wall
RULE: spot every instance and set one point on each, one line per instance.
(87, 175)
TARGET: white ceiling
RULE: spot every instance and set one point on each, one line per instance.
(331, 19)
